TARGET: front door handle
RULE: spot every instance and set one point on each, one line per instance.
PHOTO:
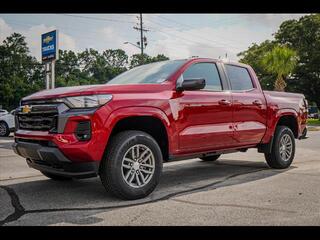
(257, 102)
(224, 102)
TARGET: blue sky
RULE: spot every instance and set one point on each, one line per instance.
(175, 35)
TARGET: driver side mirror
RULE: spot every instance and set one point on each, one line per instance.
(191, 84)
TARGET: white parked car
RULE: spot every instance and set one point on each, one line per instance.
(3, 112)
(7, 124)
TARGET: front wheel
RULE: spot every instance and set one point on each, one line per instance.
(132, 166)
(283, 149)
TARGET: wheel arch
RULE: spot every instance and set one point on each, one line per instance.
(148, 119)
(290, 120)
(284, 117)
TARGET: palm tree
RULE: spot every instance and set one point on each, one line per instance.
(280, 61)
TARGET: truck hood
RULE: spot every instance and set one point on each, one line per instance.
(96, 89)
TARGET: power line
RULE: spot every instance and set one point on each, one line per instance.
(143, 38)
(189, 26)
(95, 18)
(209, 40)
(190, 39)
(200, 44)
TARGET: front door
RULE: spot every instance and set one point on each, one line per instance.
(206, 115)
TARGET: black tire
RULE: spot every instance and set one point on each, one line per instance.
(274, 159)
(304, 133)
(56, 177)
(210, 158)
(4, 129)
(111, 172)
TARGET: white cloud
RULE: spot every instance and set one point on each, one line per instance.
(5, 30)
(175, 41)
(213, 42)
(33, 37)
(112, 39)
(270, 20)
(203, 42)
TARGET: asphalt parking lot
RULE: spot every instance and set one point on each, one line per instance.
(238, 189)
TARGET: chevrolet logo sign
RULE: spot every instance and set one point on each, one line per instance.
(26, 109)
(47, 39)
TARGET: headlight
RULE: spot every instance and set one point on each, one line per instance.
(90, 101)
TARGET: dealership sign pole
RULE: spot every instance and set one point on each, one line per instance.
(49, 55)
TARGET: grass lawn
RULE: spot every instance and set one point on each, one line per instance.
(313, 122)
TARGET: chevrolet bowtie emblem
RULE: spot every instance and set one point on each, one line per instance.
(47, 39)
(26, 109)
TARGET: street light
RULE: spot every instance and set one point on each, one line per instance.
(132, 44)
(141, 60)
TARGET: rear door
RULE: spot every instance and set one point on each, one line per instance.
(206, 120)
(249, 106)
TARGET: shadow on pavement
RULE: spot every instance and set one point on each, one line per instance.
(88, 197)
(6, 142)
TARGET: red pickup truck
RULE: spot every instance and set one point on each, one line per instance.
(125, 129)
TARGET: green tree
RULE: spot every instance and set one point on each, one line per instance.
(20, 74)
(136, 59)
(105, 66)
(116, 62)
(68, 72)
(281, 61)
(303, 35)
(253, 57)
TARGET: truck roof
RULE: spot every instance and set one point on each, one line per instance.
(196, 59)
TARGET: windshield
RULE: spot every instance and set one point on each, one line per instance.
(149, 73)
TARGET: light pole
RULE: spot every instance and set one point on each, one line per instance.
(132, 44)
(137, 46)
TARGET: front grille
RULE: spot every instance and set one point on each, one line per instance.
(40, 118)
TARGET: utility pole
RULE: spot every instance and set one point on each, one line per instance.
(141, 34)
(143, 39)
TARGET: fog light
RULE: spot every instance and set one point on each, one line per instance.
(83, 131)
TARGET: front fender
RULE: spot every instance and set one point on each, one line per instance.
(124, 112)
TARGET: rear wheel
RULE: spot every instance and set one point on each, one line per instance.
(210, 158)
(283, 149)
(132, 166)
(4, 129)
(56, 177)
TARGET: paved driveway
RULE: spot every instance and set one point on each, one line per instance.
(238, 189)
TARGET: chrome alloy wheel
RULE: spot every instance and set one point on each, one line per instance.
(285, 147)
(138, 166)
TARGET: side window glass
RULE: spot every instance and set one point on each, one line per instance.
(239, 77)
(208, 71)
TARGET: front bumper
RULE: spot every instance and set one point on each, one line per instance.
(49, 158)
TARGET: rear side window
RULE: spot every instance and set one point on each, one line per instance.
(208, 71)
(239, 77)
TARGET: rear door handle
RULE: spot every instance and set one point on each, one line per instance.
(224, 102)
